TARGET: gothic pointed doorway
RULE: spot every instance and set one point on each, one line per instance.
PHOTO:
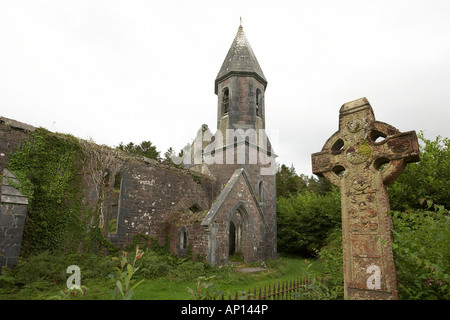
(238, 240)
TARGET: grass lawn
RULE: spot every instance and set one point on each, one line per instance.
(228, 280)
(174, 283)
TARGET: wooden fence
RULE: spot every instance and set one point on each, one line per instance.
(283, 290)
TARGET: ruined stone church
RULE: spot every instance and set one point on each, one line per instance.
(222, 203)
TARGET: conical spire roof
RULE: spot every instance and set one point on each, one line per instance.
(240, 60)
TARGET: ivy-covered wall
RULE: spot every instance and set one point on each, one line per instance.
(49, 168)
(89, 197)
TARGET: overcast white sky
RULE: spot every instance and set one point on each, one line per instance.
(130, 70)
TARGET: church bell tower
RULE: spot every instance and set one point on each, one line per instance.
(240, 86)
(244, 213)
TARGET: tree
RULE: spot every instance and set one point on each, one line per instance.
(288, 182)
(319, 185)
(145, 149)
(167, 156)
(308, 208)
(428, 179)
(305, 219)
(170, 158)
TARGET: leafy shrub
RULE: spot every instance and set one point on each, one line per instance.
(37, 289)
(304, 220)
(46, 270)
(153, 265)
(42, 267)
(331, 257)
(427, 179)
(422, 253)
(123, 284)
(188, 270)
(205, 289)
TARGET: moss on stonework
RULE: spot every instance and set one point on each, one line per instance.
(364, 149)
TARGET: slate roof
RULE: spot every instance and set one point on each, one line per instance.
(240, 60)
(209, 218)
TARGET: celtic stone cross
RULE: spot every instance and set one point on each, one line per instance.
(357, 161)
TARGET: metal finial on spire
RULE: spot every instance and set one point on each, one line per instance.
(240, 21)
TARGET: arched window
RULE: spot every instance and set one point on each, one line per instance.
(182, 241)
(115, 204)
(225, 101)
(261, 191)
(258, 102)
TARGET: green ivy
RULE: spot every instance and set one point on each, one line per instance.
(49, 168)
(422, 252)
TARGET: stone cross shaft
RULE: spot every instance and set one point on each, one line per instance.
(360, 164)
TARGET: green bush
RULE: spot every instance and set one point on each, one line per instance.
(43, 267)
(153, 265)
(47, 270)
(188, 270)
(331, 258)
(427, 179)
(422, 253)
(304, 220)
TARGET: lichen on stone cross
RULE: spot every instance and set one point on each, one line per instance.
(360, 164)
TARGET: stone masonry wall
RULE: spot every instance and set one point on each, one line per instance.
(267, 202)
(13, 211)
(157, 200)
(12, 133)
(154, 199)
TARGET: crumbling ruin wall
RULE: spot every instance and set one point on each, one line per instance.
(154, 200)
(128, 196)
(12, 133)
(157, 200)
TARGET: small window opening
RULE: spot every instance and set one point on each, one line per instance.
(183, 238)
(184, 241)
(261, 191)
(115, 204)
(258, 102)
(226, 101)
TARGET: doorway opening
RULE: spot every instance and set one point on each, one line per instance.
(236, 241)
